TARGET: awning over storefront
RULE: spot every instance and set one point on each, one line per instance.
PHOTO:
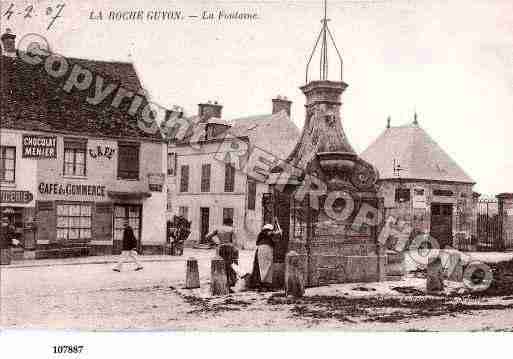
(120, 195)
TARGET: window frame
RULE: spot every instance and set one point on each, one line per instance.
(3, 158)
(184, 183)
(136, 146)
(229, 178)
(400, 195)
(252, 190)
(229, 210)
(171, 163)
(69, 227)
(74, 145)
(206, 177)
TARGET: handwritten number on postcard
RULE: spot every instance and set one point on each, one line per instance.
(29, 12)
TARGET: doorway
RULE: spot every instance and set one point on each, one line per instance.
(441, 223)
(204, 223)
(131, 214)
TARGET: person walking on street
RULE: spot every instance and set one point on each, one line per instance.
(129, 251)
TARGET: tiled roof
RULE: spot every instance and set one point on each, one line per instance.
(416, 152)
(32, 100)
(274, 133)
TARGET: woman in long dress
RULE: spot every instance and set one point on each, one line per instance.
(262, 274)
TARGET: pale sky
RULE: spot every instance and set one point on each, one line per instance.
(451, 60)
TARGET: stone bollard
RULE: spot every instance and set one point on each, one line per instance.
(192, 274)
(294, 281)
(454, 267)
(434, 276)
(219, 281)
(5, 256)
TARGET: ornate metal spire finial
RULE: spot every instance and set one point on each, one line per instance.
(323, 39)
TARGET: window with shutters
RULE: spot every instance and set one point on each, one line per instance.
(184, 178)
(229, 178)
(75, 157)
(251, 193)
(205, 177)
(7, 164)
(128, 160)
(227, 214)
(74, 221)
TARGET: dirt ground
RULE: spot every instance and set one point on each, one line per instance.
(93, 297)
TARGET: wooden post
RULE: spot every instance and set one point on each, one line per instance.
(434, 277)
(192, 274)
(219, 281)
(5, 256)
(294, 281)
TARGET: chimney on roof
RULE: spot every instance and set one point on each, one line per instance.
(8, 43)
(281, 103)
(208, 110)
(389, 119)
(415, 119)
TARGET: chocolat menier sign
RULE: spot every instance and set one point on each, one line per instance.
(37, 146)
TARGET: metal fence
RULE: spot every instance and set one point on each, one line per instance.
(487, 226)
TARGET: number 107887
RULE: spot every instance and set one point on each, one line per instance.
(68, 349)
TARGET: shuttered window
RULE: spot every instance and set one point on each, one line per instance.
(251, 194)
(7, 163)
(205, 177)
(128, 160)
(184, 178)
(229, 178)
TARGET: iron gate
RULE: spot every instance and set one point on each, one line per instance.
(487, 226)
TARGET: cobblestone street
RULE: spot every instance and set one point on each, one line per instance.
(90, 296)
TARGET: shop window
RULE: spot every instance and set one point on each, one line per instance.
(171, 164)
(227, 214)
(7, 163)
(229, 178)
(402, 195)
(183, 212)
(252, 185)
(74, 221)
(205, 177)
(75, 157)
(128, 161)
(184, 178)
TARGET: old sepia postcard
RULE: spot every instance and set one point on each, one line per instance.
(255, 166)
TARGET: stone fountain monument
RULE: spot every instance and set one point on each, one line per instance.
(324, 194)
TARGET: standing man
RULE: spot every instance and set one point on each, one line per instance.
(129, 251)
(226, 249)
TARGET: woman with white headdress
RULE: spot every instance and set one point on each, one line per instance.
(262, 274)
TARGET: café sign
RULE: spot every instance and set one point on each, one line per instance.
(36, 146)
(8, 196)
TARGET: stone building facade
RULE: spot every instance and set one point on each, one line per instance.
(72, 170)
(219, 169)
(422, 186)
